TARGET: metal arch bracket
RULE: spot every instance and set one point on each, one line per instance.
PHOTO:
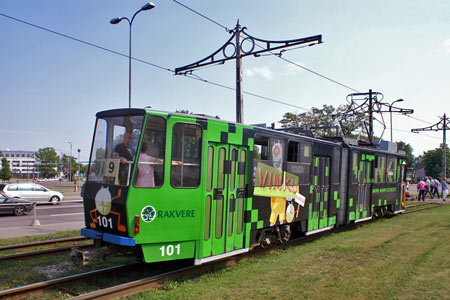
(220, 56)
(443, 124)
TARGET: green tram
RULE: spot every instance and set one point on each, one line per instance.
(177, 186)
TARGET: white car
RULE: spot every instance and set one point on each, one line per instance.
(32, 192)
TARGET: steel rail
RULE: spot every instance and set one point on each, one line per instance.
(435, 205)
(41, 252)
(153, 282)
(34, 287)
(157, 281)
(40, 243)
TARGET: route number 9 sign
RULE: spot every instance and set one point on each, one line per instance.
(111, 168)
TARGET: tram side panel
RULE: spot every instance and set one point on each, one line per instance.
(324, 189)
(387, 189)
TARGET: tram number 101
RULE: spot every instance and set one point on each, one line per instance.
(170, 250)
(105, 222)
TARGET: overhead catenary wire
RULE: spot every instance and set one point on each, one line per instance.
(196, 77)
(146, 62)
(276, 54)
(202, 15)
(279, 55)
(172, 71)
(81, 41)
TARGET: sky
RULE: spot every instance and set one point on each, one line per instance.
(51, 86)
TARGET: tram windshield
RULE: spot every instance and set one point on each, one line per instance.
(114, 149)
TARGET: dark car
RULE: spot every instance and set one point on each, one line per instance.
(14, 206)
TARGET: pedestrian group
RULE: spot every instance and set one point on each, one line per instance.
(430, 185)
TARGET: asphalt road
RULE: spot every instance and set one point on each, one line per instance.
(52, 218)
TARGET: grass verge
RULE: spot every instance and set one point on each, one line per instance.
(406, 257)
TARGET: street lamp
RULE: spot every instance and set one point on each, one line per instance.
(60, 162)
(79, 169)
(390, 112)
(70, 161)
(147, 6)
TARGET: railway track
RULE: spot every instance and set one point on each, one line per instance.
(38, 287)
(53, 245)
(422, 206)
(156, 281)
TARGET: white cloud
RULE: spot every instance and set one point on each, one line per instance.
(292, 69)
(264, 72)
(446, 44)
(274, 72)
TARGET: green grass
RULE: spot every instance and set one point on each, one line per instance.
(406, 257)
(42, 237)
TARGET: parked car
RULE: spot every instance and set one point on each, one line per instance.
(14, 206)
(32, 192)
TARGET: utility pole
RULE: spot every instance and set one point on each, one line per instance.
(239, 96)
(236, 51)
(443, 125)
(370, 104)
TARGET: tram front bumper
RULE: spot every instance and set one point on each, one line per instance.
(108, 237)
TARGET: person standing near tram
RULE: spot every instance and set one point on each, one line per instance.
(444, 188)
(421, 186)
(437, 184)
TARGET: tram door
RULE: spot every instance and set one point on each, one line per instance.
(320, 193)
(364, 189)
(225, 195)
(403, 186)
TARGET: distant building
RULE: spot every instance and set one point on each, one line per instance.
(21, 162)
(419, 172)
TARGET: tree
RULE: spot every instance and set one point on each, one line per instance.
(47, 162)
(5, 173)
(66, 165)
(328, 116)
(433, 162)
(410, 159)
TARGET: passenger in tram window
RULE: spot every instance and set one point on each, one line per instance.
(146, 172)
(123, 152)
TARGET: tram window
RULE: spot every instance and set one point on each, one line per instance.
(380, 168)
(261, 148)
(294, 166)
(186, 155)
(293, 152)
(242, 158)
(336, 166)
(394, 167)
(268, 154)
(114, 149)
(98, 151)
(209, 174)
(355, 167)
(305, 153)
(150, 169)
(390, 171)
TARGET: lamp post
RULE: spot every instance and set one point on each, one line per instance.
(60, 162)
(79, 169)
(147, 6)
(390, 112)
(70, 161)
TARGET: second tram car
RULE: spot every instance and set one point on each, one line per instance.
(177, 186)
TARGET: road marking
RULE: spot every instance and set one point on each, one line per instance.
(60, 207)
(72, 214)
